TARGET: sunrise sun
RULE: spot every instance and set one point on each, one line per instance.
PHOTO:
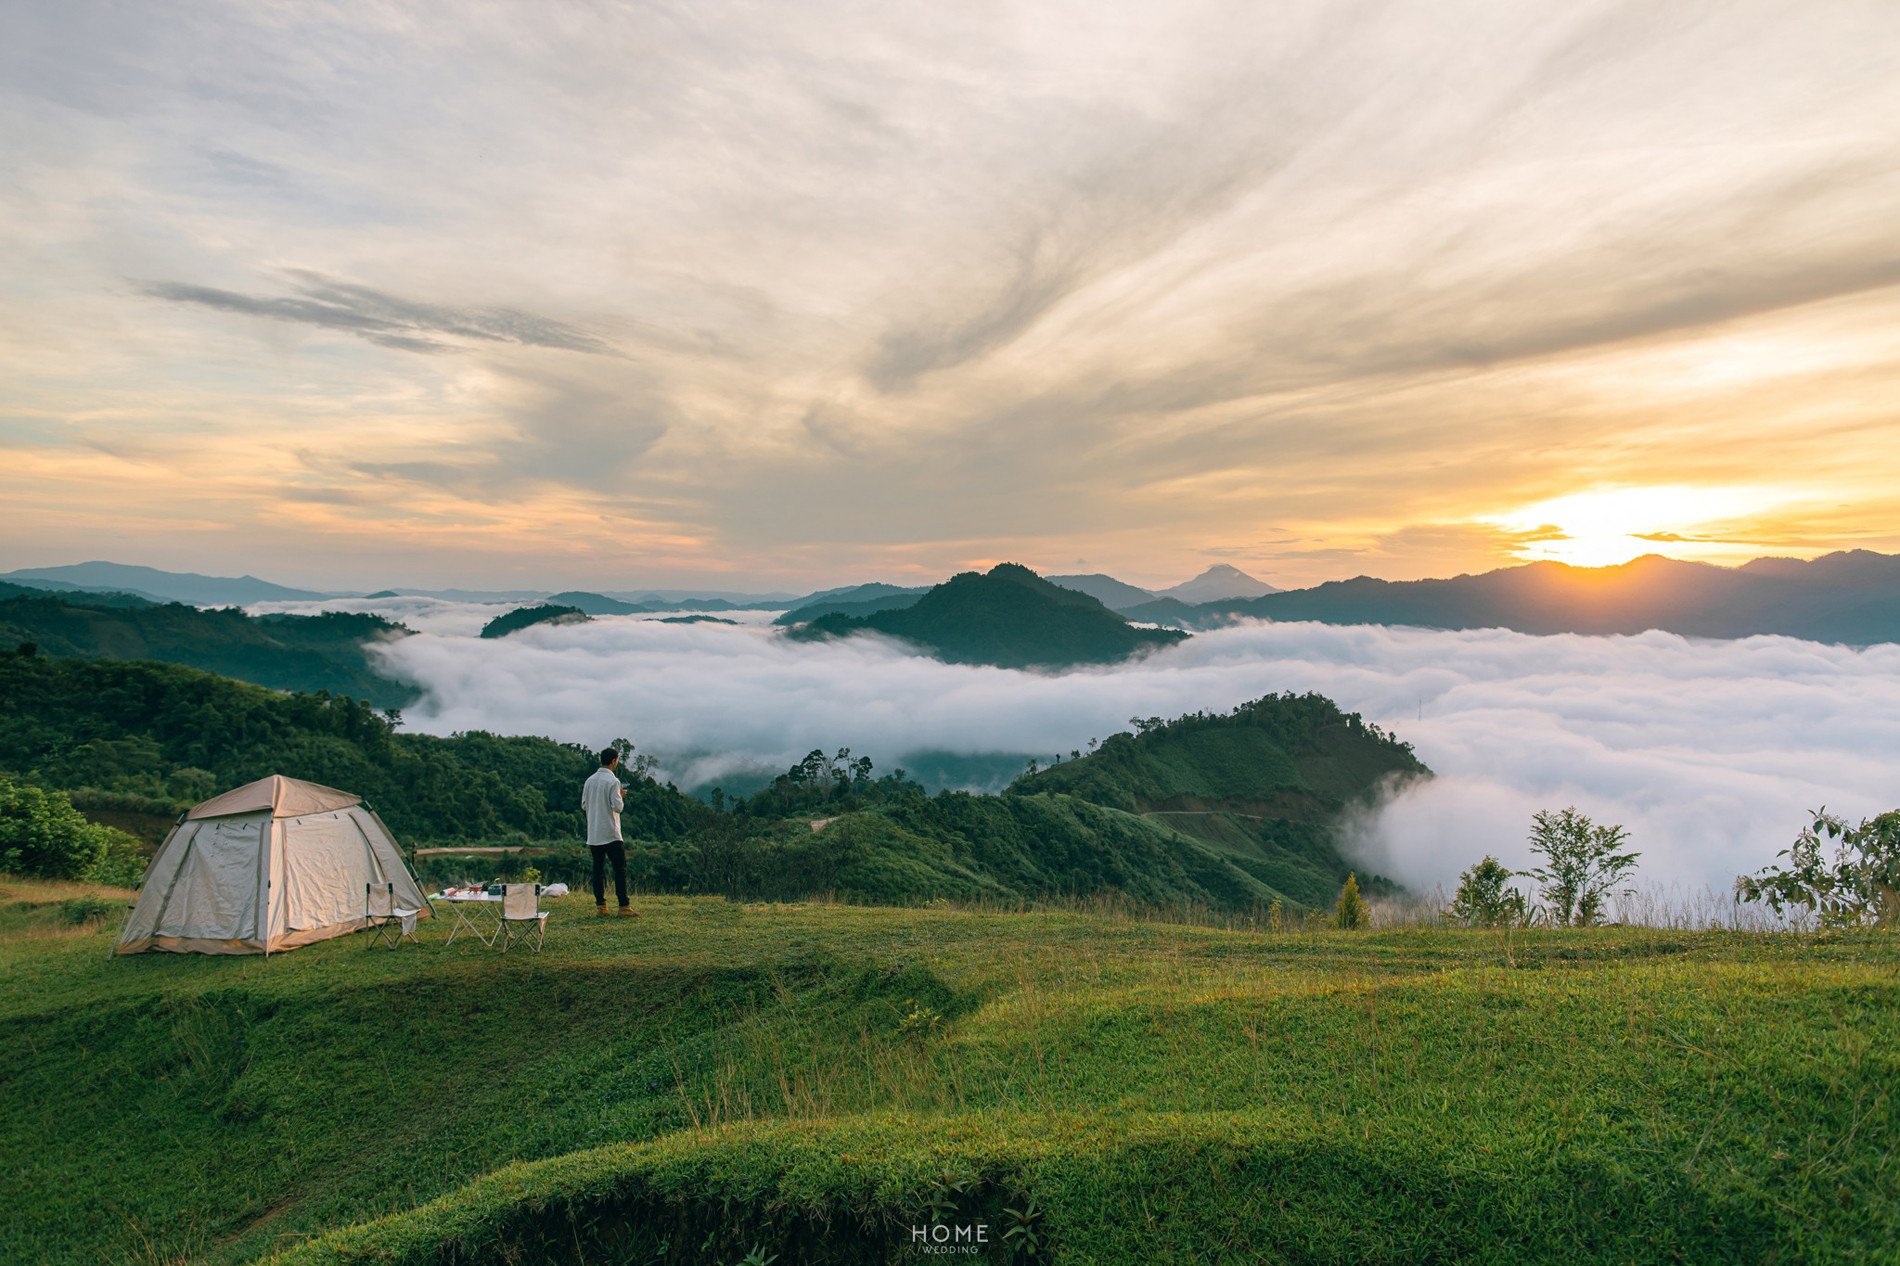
(1606, 526)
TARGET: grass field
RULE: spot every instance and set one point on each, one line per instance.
(814, 1081)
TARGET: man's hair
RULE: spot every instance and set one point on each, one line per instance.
(608, 756)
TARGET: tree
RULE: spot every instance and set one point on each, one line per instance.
(1583, 863)
(42, 834)
(1485, 898)
(1352, 911)
(1861, 888)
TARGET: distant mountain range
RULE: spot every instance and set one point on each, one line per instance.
(159, 586)
(1219, 582)
(1110, 592)
(1852, 598)
(1008, 617)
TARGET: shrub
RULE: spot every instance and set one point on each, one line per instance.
(1582, 865)
(1485, 898)
(1352, 911)
(122, 864)
(42, 834)
(1863, 885)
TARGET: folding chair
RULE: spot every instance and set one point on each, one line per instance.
(522, 917)
(388, 922)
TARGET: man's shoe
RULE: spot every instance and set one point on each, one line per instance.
(627, 912)
(600, 908)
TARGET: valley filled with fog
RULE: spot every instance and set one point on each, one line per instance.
(1710, 752)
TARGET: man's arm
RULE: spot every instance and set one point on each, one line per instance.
(620, 800)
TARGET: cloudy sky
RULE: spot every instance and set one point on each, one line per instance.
(796, 294)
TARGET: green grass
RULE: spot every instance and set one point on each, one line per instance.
(811, 1078)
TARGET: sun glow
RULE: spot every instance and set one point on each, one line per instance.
(1607, 526)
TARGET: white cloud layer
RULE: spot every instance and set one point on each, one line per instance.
(1709, 752)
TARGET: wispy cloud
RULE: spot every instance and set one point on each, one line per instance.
(385, 319)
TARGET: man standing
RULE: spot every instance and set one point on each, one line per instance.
(602, 799)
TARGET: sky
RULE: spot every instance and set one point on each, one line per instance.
(1709, 753)
(780, 296)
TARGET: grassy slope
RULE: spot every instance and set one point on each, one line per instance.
(1165, 1093)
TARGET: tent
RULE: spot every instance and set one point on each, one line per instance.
(271, 865)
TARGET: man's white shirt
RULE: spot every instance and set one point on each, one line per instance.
(603, 801)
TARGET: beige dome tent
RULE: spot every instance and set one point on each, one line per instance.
(272, 865)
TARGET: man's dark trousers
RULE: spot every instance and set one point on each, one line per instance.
(601, 852)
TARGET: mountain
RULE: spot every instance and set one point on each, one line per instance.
(165, 586)
(527, 617)
(1225, 810)
(1851, 598)
(1114, 594)
(1008, 617)
(704, 599)
(1170, 612)
(285, 652)
(867, 606)
(1264, 786)
(597, 603)
(857, 593)
(1218, 583)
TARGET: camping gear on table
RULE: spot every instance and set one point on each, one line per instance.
(469, 907)
(268, 866)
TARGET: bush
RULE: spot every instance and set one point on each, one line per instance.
(1863, 885)
(41, 834)
(122, 864)
(1485, 898)
(1352, 911)
(1582, 865)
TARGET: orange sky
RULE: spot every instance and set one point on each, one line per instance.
(792, 297)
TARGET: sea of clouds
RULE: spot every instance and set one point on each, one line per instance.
(1709, 752)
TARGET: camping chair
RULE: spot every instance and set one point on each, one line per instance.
(522, 916)
(387, 921)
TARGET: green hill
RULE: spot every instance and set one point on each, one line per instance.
(285, 652)
(527, 617)
(145, 738)
(1221, 811)
(1263, 787)
(597, 603)
(814, 1081)
(1008, 617)
(172, 735)
(853, 608)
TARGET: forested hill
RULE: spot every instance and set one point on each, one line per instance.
(527, 617)
(1282, 756)
(1008, 617)
(1226, 812)
(285, 652)
(175, 735)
